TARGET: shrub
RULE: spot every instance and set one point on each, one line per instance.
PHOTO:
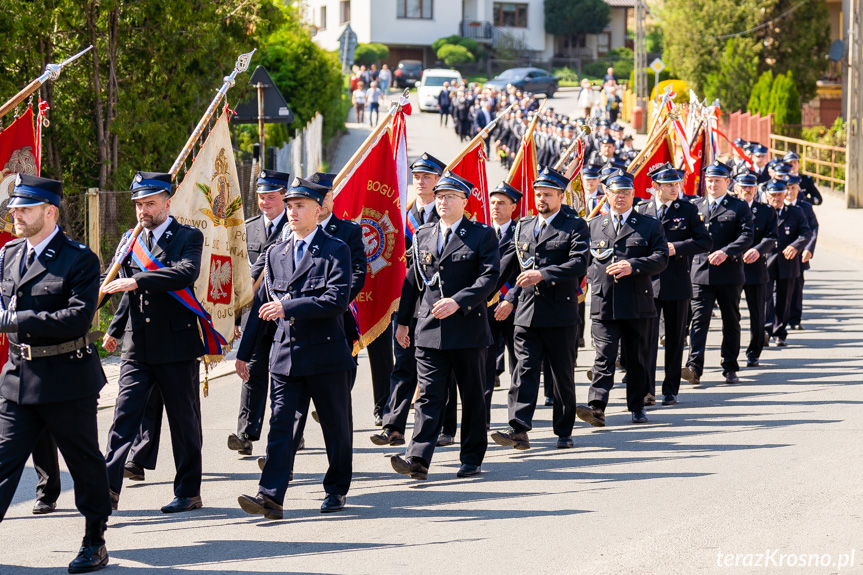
(366, 54)
(453, 55)
(785, 101)
(565, 74)
(759, 100)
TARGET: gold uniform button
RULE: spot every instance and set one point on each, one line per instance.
(147, 320)
(146, 302)
(293, 339)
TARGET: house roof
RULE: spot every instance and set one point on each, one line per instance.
(621, 3)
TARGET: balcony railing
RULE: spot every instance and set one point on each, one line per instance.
(476, 30)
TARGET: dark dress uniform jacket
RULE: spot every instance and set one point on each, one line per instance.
(813, 226)
(641, 241)
(310, 339)
(155, 327)
(257, 240)
(560, 255)
(792, 230)
(55, 300)
(351, 234)
(468, 268)
(730, 227)
(685, 230)
(764, 229)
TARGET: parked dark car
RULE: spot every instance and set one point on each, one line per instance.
(534, 80)
(407, 73)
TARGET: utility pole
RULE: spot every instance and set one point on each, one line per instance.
(854, 112)
(641, 60)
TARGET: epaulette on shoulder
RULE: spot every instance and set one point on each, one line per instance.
(427, 225)
(478, 224)
(75, 244)
(253, 218)
(14, 242)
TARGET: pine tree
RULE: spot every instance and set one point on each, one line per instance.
(736, 75)
(759, 100)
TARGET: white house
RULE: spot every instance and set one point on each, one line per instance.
(408, 27)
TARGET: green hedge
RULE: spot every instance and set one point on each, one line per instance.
(453, 55)
(373, 53)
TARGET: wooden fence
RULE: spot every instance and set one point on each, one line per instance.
(826, 164)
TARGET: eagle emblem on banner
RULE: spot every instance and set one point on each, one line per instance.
(221, 209)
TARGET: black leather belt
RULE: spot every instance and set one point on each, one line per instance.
(30, 352)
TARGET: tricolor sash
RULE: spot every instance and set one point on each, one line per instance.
(412, 226)
(213, 340)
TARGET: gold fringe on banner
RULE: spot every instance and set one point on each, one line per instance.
(378, 328)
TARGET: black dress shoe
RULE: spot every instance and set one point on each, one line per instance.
(388, 437)
(181, 504)
(415, 467)
(260, 505)
(731, 377)
(690, 375)
(261, 462)
(133, 472)
(379, 421)
(549, 401)
(240, 444)
(797, 327)
(445, 440)
(497, 380)
(565, 442)
(467, 470)
(590, 414)
(115, 499)
(751, 363)
(302, 444)
(766, 339)
(589, 375)
(580, 342)
(90, 558)
(42, 507)
(511, 438)
(669, 400)
(649, 399)
(332, 503)
(639, 416)
(93, 555)
(781, 343)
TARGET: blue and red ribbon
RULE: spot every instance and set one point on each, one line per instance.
(412, 226)
(213, 340)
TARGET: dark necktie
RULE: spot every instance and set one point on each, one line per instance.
(269, 228)
(300, 251)
(617, 218)
(148, 239)
(662, 211)
(542, 227)
(712, 207)
(499, 235)
(446, 236)
(31, 257)
(422, 216)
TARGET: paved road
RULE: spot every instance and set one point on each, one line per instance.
(770, 465)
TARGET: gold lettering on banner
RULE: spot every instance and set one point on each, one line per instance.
(365, 296)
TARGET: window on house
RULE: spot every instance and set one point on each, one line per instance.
(603, 43)
(414, 9)
(510, 14)
(323, 25)
(345, 6)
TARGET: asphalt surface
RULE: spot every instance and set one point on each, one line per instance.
(766, 472)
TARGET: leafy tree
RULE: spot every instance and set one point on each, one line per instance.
(736, 75)
(131, 103)
(785, 101)
(453, 55)
(759, 100)
(566, 17)
(366, 54)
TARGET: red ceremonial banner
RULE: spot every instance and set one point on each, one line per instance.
(524, 176)
(660, 155)
(472, 168)
(692, 180)
(370, 197)
(17, 156)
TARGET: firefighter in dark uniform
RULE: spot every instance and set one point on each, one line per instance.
(504, 200)
(262, 231)
(806, 254)
(672, 289)
(427, 171)
(755, 260)
(783, 266)
(627, 249)
(717, 277)
(304, 291)
(52, 378)
(549, 254)
(807, 185)
(161, 341)
(454, 270)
